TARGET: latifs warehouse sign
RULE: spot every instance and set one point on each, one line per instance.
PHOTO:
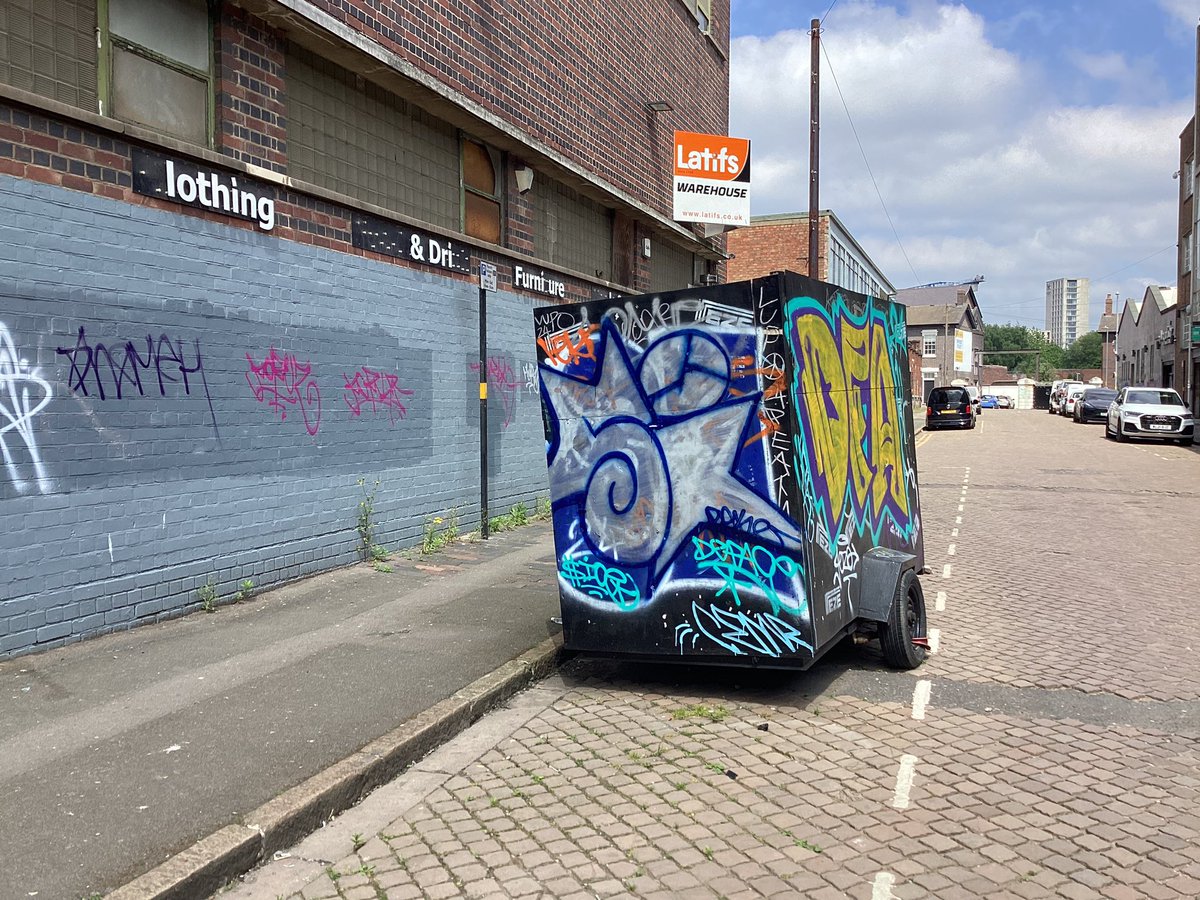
(712, 179)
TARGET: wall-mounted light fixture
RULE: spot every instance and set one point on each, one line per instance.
(657, 106)
(524, 176)
(646, 248)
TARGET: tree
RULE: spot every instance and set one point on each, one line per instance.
(1019, 337)
(1084, 352)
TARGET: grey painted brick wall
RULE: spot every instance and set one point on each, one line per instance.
(185, 401)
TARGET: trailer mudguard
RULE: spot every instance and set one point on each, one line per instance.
(880, 573)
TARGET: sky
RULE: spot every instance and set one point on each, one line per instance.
(1021, 140)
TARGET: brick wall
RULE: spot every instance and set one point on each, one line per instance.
(251, 113)
(574, 75)
(158, 448)
(773, 246)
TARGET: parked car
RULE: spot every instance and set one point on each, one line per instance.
(1003, 402)
(976, 398)
(989, 401)
(1093, 404)
(1150, 412)
(949, 407)
(1072, 397)
(1058, 394)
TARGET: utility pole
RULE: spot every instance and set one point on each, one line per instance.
(814, 148)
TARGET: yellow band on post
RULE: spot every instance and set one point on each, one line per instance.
(483, 390)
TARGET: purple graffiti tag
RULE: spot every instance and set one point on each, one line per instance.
(378, 390)
(122, 365)
(503, 379)
(283, 382)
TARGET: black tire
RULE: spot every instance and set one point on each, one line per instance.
(906, 620)
(1120, 433)
(1108, 434)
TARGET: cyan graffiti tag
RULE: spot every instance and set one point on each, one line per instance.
(598, 580)
(846, 388)
(744, 567)
(740, 633)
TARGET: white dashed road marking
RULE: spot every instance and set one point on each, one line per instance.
(881, 888)
(904, 781)
(940, 605)
(921, 698)
(951, 550)
(935, 640)
(946, 570)
(954, 533)
(958, 520)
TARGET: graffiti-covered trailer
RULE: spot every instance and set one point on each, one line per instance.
(733, 473)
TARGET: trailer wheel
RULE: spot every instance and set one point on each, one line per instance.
(906, 621)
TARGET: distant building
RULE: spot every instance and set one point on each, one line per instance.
(772, 243)
(1107, 329)
(1187, 322)
(1066, 309)
(1146, 339)
(941, 320)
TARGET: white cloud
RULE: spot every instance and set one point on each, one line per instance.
(1185, 11)
(981, 168)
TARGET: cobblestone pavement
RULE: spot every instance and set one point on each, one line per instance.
(1048, 748)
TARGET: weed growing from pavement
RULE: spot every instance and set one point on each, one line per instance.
(701, 711)
(516, 517)
(357, 841)
(366, 518)
(716, 767)
(808, 846)
(245, 591)
(207, 595)
(708, 853)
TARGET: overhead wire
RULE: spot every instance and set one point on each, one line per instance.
(866, 162)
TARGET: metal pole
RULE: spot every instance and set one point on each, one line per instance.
(483, 416)
(814, 149)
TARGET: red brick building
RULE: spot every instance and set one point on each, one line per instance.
(776, 242)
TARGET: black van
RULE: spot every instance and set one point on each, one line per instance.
(949, 407)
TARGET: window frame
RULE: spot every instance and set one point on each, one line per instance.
(701, 11)
(500, 196)
(928, 338)
(104, 68)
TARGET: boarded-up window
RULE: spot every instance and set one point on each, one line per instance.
(571, 230)
(671, 267)
(482, 208)
(160, 64)
(349, 135)
(49, 48)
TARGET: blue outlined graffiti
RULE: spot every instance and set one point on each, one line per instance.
(848, 395)
(658, 485)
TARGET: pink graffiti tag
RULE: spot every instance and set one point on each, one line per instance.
(500, 375)
(283, 382)
(378, 390)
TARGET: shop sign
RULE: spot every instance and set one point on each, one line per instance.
(409, 244)
(712, 179)
(540, 282)
(182, 182)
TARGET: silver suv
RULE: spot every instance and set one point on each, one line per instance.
(1150, 412)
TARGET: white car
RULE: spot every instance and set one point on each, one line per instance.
(1150, 412)
(1073, 395)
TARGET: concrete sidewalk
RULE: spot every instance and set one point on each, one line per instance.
(119, 753)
